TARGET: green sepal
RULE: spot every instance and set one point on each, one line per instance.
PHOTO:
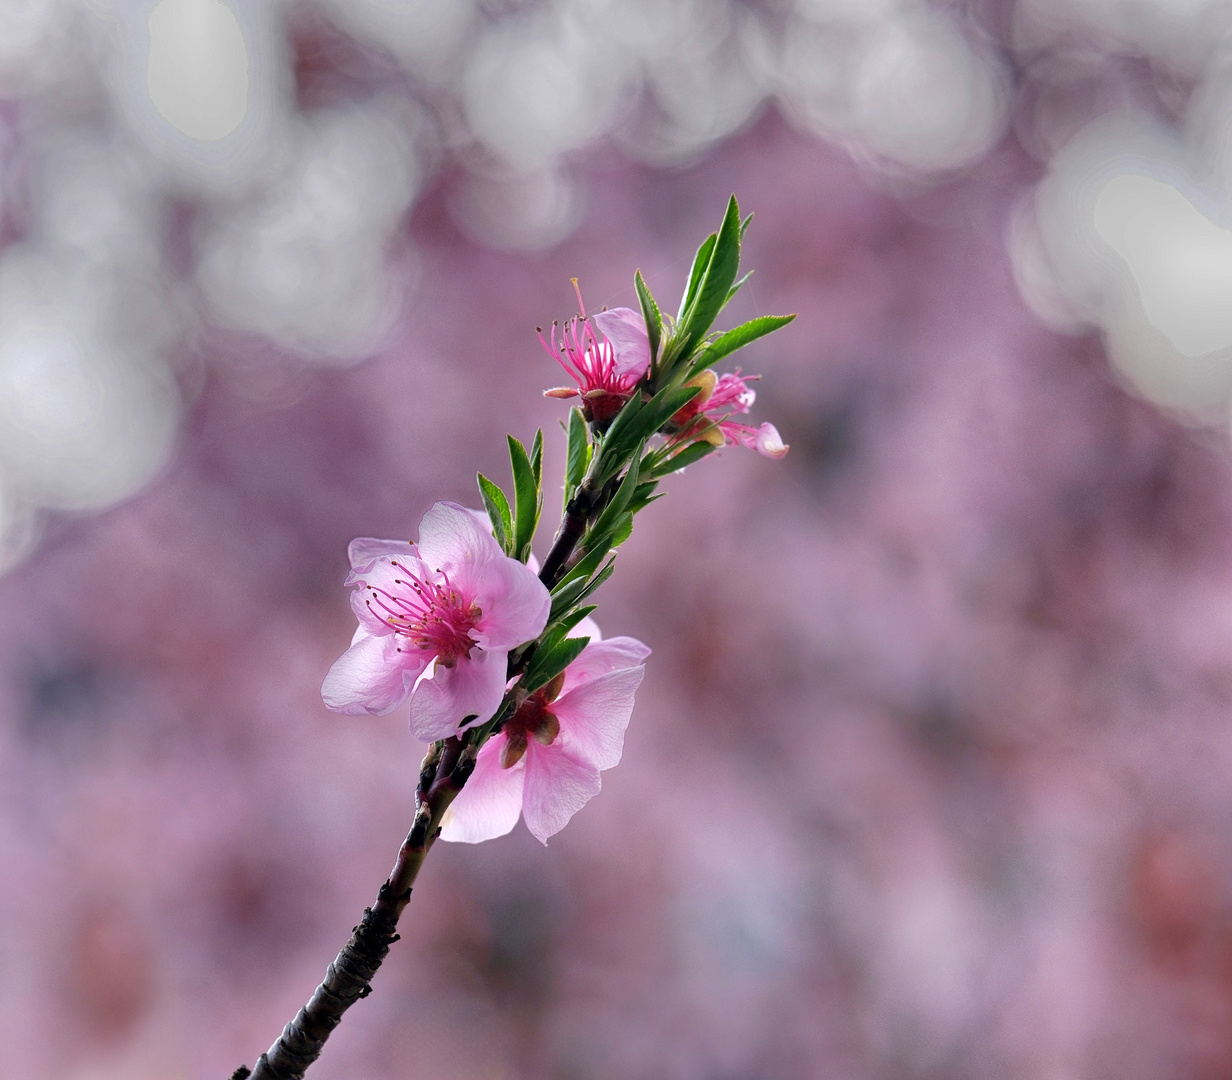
(527, 499)
(653, 317)
(497, 505)
(737, 338)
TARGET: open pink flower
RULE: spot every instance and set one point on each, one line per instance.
(436, 623)
(605, 354)
(545, 762)
(708, 416)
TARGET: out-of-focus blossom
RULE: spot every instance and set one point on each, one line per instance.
(545, 762)
(436, 623)
(708, 416)
(605, 365)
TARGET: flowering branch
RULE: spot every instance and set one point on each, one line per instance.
(509, 680)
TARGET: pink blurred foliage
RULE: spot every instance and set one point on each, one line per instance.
(928, 776)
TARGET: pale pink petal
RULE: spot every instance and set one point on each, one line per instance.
(364, 550)
(489, 805)
(587, 628)
(514, 602)
(372, 676)
(450, 539)
(594, 715)
(481, 516)
(765, 439)
(473, 687)
(769, 443)
(626, 330)
(558, 785)
(600, 657)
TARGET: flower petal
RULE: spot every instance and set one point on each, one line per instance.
(372, 676)
(364, 550)
(626, 330)
(769, 443)
(594, 715)
(489, 805)
(514, 602)
(473, 687)
(587, 628)
(600, 657)
(558, 785)
(451, 538)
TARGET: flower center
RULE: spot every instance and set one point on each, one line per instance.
(431, 614)
(531, 721)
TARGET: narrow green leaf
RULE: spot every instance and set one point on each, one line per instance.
(736, 287)
(642, 497)
(744, 227)
(585, 566)
(525, 499)
(572, 619)
(606, 522)
(717, 278)
(691, 453)
(577, 456)
(498, 510)
(623, 529)
(598, 579)
(700, 261)
(546, 665)
(661, 408)
(737, 338)
(652, 315)
(536, 458)
(565, 595)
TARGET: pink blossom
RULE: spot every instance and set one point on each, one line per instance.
(545, 762)
(708, 416)
(607, 364)
(436, 623)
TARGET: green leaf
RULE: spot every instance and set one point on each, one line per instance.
(536, 458)
(744, 227)
(652, 315)
(598, 579)
(737, 338)
(691, 453)
(642, 497)
(565, 595)
(577, 457)
(585, 566)
(572, 619)
(716, 280)
(606, 522)
(623, 529)
(548, 663)
(700, 261)
(736, 287)
(526, 500)
(498, 510)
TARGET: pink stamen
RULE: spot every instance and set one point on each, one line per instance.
(432, 615)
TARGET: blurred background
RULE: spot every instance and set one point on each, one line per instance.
(931, 772)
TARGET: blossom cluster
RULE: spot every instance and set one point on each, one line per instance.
(501, 656)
